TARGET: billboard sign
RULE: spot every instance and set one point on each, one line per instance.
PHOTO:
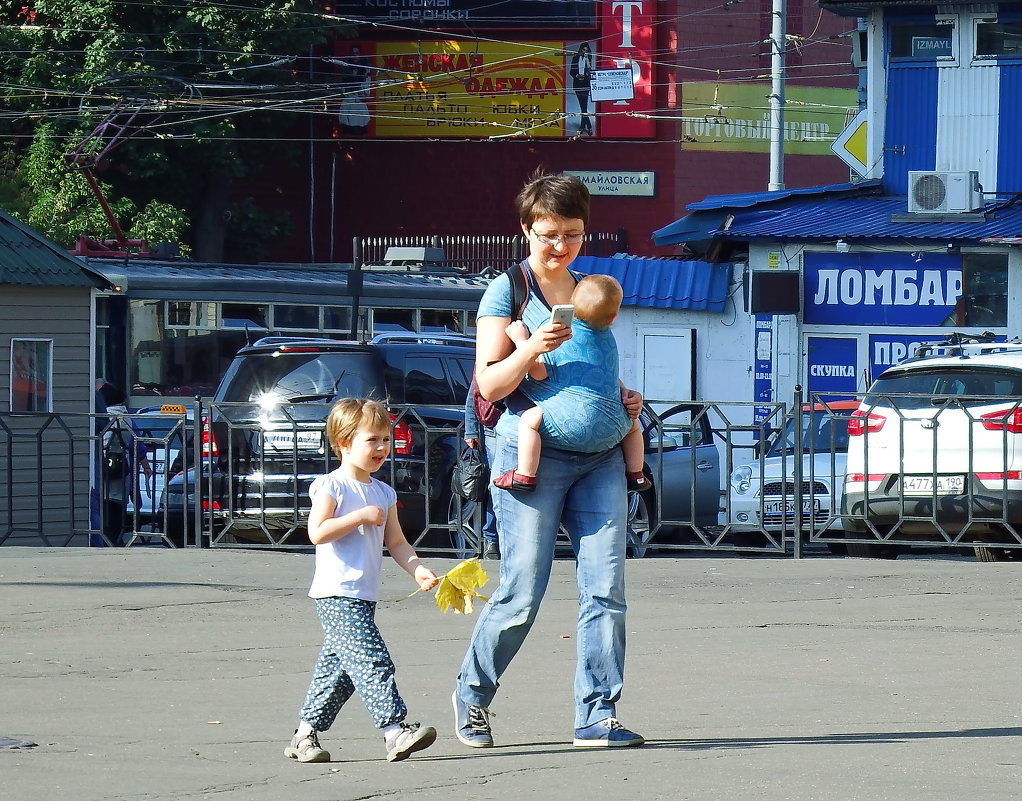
(832, 364)
(481, 89)
(496, 89)
(900, 289)
(736, 117)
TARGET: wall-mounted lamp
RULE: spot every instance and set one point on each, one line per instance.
(841, 246)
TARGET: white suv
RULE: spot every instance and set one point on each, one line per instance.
(763, 494)
(935, 448)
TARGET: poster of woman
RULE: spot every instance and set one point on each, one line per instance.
(576, 104)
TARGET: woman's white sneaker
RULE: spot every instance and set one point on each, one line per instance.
(608, 733)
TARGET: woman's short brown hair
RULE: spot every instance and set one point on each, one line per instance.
(547, 195)
(348, 415)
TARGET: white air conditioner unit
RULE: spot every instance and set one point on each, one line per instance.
(932, 192)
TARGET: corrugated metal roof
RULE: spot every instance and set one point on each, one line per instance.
(286, 283)
(709, 215)
(29, 259)
(663, 283)
(747, 199)
(868, 218)
(656, 283)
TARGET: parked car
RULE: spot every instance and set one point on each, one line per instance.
(163, 431)
(936, 446)
(763, 494)
(266, 442)
(683, 466)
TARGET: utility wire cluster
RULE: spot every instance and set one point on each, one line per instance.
(321, 84)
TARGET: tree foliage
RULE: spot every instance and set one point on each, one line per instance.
(167, 102)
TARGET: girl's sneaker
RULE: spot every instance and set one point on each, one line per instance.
(404, 742)
(306, 748)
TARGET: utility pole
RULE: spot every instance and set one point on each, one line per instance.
(777, 48)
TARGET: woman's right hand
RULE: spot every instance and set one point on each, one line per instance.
(549, 336)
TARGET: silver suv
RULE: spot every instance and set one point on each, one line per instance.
(936, 447)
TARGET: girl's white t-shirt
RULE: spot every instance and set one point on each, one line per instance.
(350, 567)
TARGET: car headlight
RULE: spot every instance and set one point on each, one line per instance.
(741, 479)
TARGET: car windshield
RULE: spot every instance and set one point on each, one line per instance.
(821, 431)
(302, 377)
(160, 426)
(923, 385)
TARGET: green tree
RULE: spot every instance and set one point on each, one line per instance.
(167, 102)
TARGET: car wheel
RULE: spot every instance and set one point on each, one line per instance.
(868, 550)
(640, 525)
(985, 553)
(465, 536)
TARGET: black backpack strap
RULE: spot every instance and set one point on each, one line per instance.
(519, 290)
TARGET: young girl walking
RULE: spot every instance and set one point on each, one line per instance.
(353, 517)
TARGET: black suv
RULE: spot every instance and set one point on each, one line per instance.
(265, 439)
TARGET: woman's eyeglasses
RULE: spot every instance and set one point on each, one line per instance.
(558, 239)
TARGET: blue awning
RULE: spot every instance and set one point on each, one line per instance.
(853, 212)
(663, 283)
(876, 219)
(710, 215)
(695, 227)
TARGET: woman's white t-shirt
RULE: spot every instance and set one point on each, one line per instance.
(350, 567)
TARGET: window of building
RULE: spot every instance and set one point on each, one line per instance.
(31, 375)
(184, 359)
(250, 316)
(191, 314)
(998, 39)
(302, 318)
(183, 348)
(337, 318)
(394, 320)
(918, 41)
(984, 300)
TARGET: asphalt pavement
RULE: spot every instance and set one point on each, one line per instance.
(159, 675)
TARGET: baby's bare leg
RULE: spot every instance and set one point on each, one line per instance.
(632, 446)
(530, 446)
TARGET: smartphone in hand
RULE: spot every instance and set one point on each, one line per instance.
(562, 313)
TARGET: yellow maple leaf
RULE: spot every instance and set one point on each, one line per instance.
(457, 589)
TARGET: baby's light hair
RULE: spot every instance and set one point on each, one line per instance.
(349, 415)
(597, 300)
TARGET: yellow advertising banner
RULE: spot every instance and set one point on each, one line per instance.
(440, 89)
(736, 117)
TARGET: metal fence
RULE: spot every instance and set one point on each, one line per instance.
(777, 479)
(478, 254)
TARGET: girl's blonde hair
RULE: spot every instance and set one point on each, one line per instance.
(348, 415)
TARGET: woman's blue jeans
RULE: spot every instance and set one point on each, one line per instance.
(586, 493)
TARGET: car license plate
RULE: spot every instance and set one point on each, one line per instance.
(293, 440)
(787, 508)
(924, 485)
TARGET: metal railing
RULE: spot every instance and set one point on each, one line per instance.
(477, 254)
(725, 477)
